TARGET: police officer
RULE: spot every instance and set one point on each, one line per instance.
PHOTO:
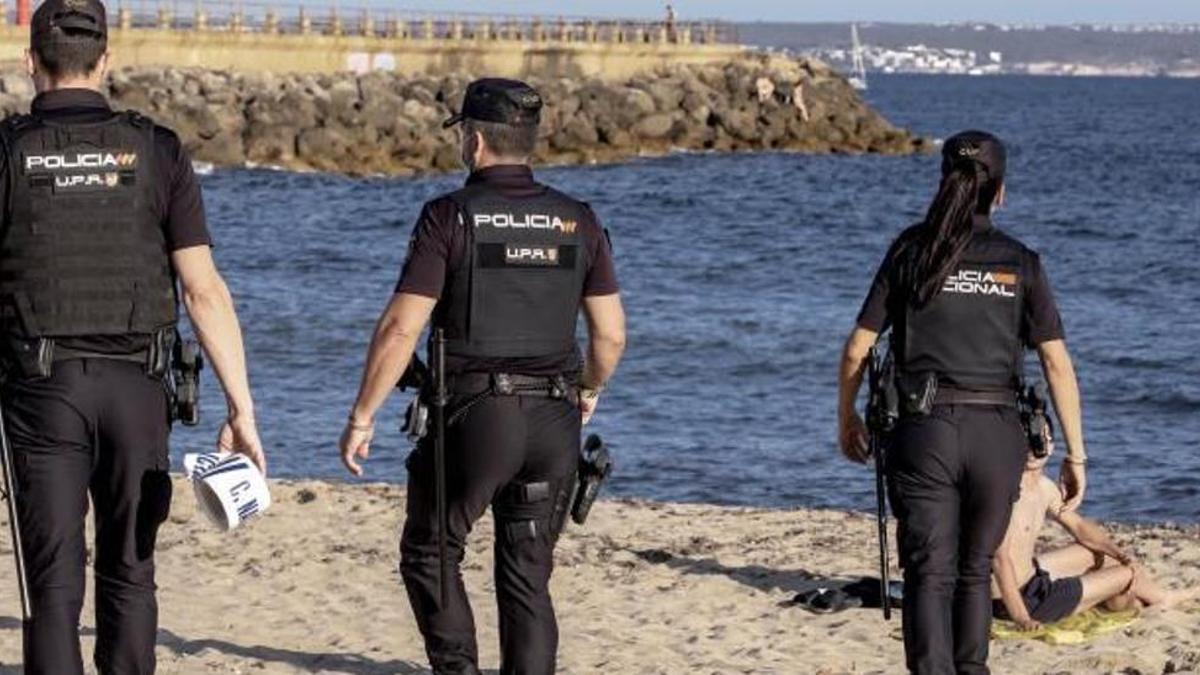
(102, 217)
(503, 267)
(964, 300)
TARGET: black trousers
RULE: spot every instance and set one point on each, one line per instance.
(504, 453)
(953, 478)
(95, 426)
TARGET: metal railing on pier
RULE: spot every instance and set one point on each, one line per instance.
(338, 20)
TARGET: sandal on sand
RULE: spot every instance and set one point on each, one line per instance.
(825, 601)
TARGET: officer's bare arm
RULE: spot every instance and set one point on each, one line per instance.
(852, 437)
(854, 359)
(210, 307)
(1064, 389)
(392, 348)
(606, 339)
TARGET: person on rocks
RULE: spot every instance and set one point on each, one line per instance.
(765, 89)
(502, 267)
(104, 225)
(798, 100)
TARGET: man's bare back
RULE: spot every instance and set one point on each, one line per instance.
(1039, 497)
(1031, 588)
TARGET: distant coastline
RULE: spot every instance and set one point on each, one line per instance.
(1168, 50)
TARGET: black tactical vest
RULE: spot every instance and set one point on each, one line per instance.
(970, 333)
(519, 292)
(82, 251)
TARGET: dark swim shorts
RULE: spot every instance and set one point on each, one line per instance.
(1048, 600)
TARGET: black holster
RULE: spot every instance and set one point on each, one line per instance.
(1031, 402)
(595, 466)
(186, 363)
(917, 392)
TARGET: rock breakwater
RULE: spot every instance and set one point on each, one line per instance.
(383, 123)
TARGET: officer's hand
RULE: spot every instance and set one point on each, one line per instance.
(240, 434)
(852, 437)
(356, 442)
(588, 400)
(1073, 483)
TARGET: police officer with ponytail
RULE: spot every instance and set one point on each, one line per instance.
(502, 268)
(964, 301)
(103, 225)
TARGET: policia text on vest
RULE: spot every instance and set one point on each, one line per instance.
(502, 269)
(964, 301)
(103, 231)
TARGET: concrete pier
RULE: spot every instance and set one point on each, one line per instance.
(263, 39)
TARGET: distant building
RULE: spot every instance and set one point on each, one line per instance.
(918, 59)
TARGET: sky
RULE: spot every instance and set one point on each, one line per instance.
(918, 11)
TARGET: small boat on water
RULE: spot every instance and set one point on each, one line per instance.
(858, 80)
(203, 168)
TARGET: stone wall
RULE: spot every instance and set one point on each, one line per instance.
(383, 123)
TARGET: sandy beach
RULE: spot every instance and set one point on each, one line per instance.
(645, 588)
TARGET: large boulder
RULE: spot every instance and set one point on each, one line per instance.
(654, 126)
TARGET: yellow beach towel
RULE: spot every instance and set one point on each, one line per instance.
(1070, 631)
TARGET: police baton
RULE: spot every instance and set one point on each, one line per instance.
(440, 401)
(881, 418)
(10, 496)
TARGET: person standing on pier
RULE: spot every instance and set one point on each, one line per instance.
(103, 225)
(503, 268)
(964, 300)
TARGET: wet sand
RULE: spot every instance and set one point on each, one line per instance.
(645, 588)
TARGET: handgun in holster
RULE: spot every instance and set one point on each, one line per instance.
(416, 417)
(29, 359)
(1035, 420)
(915, 392)
(595, 466)
(186, 363)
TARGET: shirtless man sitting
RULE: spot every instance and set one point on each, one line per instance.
(1032, 590)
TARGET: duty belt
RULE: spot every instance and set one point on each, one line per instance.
(36, 357)
(480, 386)
(961, 397)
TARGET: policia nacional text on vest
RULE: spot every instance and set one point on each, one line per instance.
(968, 336)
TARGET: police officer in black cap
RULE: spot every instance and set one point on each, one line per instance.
(503, 268)
(103, 221)
(964, 301)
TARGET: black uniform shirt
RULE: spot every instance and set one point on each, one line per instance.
(1040, 320)
(177, 192)
(439, 248)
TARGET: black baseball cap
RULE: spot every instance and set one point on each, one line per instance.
(501, 101)
(979, 146)
(68, 20)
